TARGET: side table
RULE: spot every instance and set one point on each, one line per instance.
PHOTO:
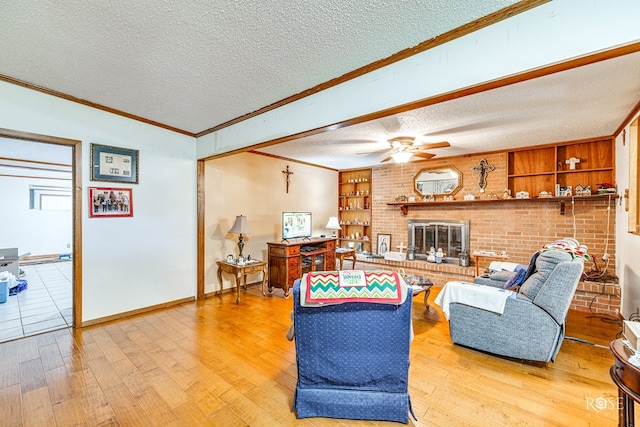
(349, 253)
(419, 284)
(627, 378)
(483, 254)
(240, 271)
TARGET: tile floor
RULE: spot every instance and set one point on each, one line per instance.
(46, 304)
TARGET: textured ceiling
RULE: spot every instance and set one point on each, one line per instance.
(195, 64)
(584, 102)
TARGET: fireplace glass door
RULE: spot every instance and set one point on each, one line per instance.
(451, 236)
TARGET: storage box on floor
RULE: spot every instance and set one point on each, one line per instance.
(4, 287)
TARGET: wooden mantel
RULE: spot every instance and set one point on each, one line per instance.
(404, 206)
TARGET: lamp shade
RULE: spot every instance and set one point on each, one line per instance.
(333, 223)
(401, 156)
(240, 226)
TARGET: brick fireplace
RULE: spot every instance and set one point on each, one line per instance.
(519, 228)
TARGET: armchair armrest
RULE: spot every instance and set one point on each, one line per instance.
(496, 279)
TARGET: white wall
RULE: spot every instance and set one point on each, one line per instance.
(32, 230)
(627, 245)
(35, 231)
(254, 186)
(128, 263)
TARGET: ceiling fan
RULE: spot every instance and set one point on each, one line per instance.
(402, 149)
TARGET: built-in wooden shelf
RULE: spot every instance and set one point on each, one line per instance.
(405, 206)
(354, 208)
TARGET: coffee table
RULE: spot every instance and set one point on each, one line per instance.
(419, 284)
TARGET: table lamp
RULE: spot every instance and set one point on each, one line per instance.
(333, 225)
(240, 227)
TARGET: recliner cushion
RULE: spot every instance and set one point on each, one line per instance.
(545, 263)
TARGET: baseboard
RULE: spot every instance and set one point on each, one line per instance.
(135, 312)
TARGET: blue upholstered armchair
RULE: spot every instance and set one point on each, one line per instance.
(353, 360)
(532, 324)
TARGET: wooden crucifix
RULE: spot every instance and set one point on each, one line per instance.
(482, 169)
(288, 173)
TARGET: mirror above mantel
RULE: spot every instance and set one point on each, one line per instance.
(446, 180)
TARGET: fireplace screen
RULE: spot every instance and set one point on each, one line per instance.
(450, 235)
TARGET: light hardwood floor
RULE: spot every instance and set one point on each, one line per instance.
(216, 363)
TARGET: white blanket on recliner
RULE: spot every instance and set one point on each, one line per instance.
(480, 296)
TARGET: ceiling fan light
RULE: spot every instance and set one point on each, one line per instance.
(401, 157)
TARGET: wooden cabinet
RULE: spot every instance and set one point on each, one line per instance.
(289, 261)
(354, 208)
(541, 169)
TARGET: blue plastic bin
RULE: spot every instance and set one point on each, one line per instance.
(4, 290)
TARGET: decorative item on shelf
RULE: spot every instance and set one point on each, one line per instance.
(572, 162)
(469, 196)
(545, 194)
(522, 195)
(582, 191)
(563, 191)
(411, 253)
(401, 198)
(412, 199)
(229, 258)
(506, 194)
(240, 227)
(449, 198)
(333, 225)
(439, 256)
(431, 256)
(492, 196)
(429, 197)
(606, 188)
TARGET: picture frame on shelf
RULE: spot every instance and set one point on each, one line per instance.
(114, 164)
(383, 243)
(110, 202)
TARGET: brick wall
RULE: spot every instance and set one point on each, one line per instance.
(519, 228)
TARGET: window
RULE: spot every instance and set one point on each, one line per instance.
(49, 198)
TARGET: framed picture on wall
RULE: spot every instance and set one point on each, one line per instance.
(114, 164)
(384, 243)
(110, 202)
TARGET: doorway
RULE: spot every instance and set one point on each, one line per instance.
(53, 278)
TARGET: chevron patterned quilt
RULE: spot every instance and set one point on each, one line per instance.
(353, 286)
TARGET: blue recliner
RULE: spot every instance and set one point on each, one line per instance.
(353, 360)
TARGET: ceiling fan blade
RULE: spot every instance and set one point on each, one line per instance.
(426, 156)
(384, 150)
(432, 145)
(386, 159)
